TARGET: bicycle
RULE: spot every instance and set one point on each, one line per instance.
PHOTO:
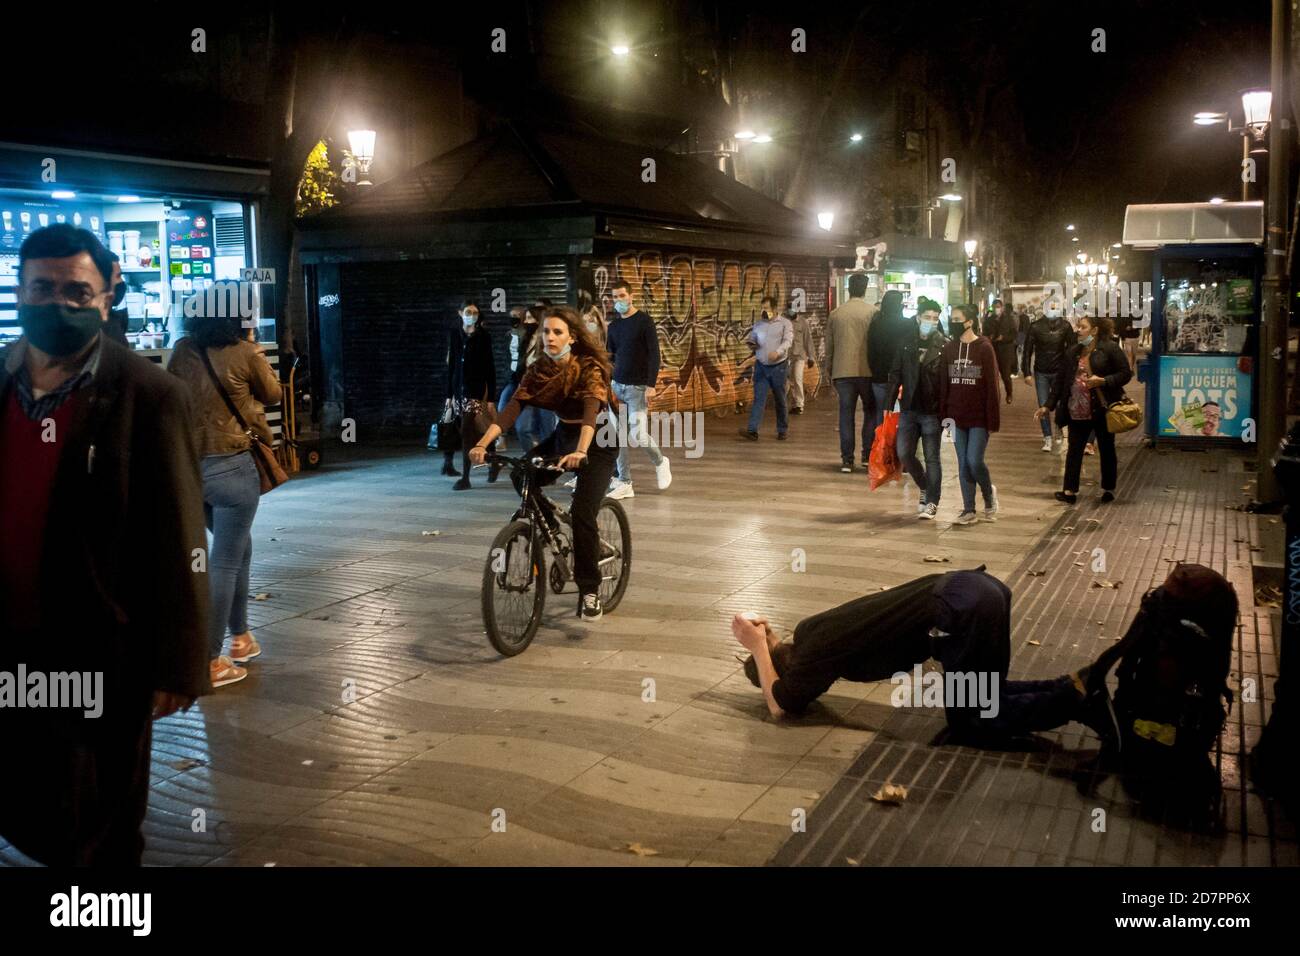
(516, 573)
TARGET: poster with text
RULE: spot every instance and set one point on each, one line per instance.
(1203, 396)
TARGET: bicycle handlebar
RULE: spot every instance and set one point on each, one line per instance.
(538, 462)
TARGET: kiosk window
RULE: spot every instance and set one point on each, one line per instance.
(1208, 306)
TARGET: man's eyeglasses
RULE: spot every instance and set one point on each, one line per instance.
(79, 294)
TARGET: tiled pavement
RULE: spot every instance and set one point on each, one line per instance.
(974, 807)
(444, 737)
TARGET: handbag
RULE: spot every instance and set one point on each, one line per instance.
(481, 415)
(445, 435)
(269, 472)
(1122, 415)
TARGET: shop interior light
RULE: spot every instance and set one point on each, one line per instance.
(826, 220)
(1092, 268)
(1074, 238)
(128, 198)
(620, 49)
(63, 194)
(745, 134)
(950, 197)
(971, 245)
(1081, 256)
(1215, 200)
(763, 138)
(1207, 118)
(1070, 228)
(1104, 267)
(856, 138)
(1113, 278)
(1118, 245)
(1257, 105)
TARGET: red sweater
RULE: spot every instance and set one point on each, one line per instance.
(968, 384)
(27, 469)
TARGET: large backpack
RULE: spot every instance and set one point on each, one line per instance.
(1169, 729)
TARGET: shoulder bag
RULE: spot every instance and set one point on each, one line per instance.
(268, 466)
(1122, 415)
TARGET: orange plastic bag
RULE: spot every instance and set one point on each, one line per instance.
(883, 465)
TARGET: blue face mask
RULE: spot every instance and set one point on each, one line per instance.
(555, 358)
(620, 307)
(1086, 341)
(926, 329)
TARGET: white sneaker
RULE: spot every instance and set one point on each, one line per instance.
(620, 490)
(929, 513)
(966, 517)
(991, 509)
(1047, 444)
(663, 474)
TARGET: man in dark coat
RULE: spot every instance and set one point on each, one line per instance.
(103, 573)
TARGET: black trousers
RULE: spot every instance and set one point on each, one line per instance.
(593, 483)
(1080, 433)
(1006, 355)
(469, 438)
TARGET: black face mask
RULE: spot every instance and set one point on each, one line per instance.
(57, 329)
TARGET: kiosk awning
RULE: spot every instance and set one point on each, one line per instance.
(1190, 223)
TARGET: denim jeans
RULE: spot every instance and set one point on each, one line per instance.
(879, 390)
(1044, 384)
(633, 401)
(850, 391)
(231, 489)
(914, 425)
(971, 470)
(534, 424)
(769, 377)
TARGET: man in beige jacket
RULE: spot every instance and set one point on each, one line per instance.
(849, 367)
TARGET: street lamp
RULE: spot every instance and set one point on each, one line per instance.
(1070, 228)
(970, 246)
(855, 138)
(362, 144)
(826, 220)
(620, 49)
(745, 134)
(762, 138)
(1257, 106)
(950, 197)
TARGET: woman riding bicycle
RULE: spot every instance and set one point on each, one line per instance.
(572, 380)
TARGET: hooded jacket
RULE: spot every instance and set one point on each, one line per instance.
(886, 334)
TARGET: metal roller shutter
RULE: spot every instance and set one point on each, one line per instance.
(704, 303)
(397, 317)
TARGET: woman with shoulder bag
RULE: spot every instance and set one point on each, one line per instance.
(229, 379)
(472, 385)
(1092, 377)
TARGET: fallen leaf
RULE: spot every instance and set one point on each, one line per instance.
(1256, 548)
(1147, 538)
(185, 764)
(1101, 623)
(1036, 574)
(890, 793)
(280, 529)
(640, 850)
(430, 534)
(851, 861)
(1035, 643)
(1092, 520)
(1107, 584)
(1068, 529)
(273, 539)
(261, 597)
(937, 558)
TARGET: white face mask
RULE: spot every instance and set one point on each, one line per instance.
(469, 320)
(592, 326)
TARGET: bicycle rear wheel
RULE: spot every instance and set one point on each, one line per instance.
(514, 588)
(615, 552)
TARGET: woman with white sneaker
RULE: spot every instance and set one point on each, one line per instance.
(968, 395)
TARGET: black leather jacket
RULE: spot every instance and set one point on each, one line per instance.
(1108, 361)
(1046, 343)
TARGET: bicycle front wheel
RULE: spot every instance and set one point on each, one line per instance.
(615, 552)
(514, 588)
